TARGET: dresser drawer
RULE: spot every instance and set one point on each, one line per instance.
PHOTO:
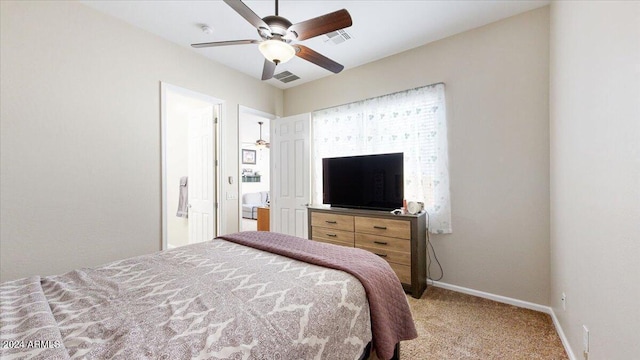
(383, 242)
(403, 272)
(340, 236)
(385, 227)
(332, 221)
(391, 256)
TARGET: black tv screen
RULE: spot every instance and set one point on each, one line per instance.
(373, 182)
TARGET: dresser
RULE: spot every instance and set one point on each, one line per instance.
(399, 239)
(263, 219)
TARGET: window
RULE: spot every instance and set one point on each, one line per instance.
(412, 122)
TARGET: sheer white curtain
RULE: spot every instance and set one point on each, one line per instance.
(412, 122)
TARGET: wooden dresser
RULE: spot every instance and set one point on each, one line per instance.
(399, 239)
(263, 219)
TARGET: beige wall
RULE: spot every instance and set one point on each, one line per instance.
(80, 134)
(595, 174)
(497, 94)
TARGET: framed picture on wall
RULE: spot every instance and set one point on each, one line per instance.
(248, 156)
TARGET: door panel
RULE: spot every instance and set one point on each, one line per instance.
(201, 176)
(283, 179)
(301, 223)
(284, 221)
(301, 164)
(291, 185)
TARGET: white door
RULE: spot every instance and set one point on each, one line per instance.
(201, 176)
(290, 174)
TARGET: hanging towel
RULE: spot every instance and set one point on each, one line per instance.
(183, 198)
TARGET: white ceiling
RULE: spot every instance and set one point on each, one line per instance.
(380, 28)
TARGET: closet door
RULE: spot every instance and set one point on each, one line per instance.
(290, 169)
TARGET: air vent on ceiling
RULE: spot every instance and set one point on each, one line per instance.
(338, 37)
(286, 76)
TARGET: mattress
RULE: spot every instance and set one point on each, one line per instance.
(217, 299)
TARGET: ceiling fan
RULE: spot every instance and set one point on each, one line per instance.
(260, 143)
(277, 33)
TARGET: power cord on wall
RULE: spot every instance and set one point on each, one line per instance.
(429, 245)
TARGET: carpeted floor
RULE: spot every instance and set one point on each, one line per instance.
(452, 325)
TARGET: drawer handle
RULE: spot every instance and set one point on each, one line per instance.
(381, 255)
(380, 242)
(380, 227)
(331, 222)
(332, 235)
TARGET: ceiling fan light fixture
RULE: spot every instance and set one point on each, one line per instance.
(277, 51)
(261, 144)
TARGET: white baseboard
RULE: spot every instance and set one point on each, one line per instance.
(563, 337)
(514, 302)
(494, 297)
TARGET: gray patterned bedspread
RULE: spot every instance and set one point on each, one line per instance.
(391, 320)
(214, 300)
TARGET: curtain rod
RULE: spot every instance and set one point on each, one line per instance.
(393, 93)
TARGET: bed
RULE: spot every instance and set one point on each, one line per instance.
(250, 295)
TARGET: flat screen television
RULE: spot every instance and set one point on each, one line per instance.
(373, 182)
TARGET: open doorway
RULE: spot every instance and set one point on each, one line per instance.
(254, 168)
(190, 185)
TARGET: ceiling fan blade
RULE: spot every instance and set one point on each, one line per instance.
(318, 59)
(247, 14)
(268, 70)
(320, 25)
(224, 43)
